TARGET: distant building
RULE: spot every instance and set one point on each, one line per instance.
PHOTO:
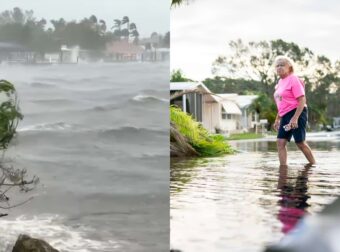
(156, 54)
(15, 53)
(249, 117)
(245, 118)
(123, 51)
(336, 122)
(52, 58)
(69, 55)
(230, 115)
(154, 48)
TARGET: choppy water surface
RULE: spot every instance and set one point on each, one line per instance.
(245, 201)
(97, 137)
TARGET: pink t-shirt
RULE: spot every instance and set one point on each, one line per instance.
(286, 93)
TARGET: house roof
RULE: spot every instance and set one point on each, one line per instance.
(231, 107)
(245, 100)
(229, 96)
(12, 47)
(187, 86)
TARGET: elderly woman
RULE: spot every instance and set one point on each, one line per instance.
(291, 118)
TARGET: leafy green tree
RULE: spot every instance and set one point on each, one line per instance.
(166, 40)
(178, 2)
(93, 19)
(59, 25)
(21, 27)
(265, 107)
(254, 61)
(18, 16)
(10, 116)
(102, 27)
(177, 76)
(228, 85)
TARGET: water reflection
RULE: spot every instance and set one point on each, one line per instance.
(183, 171)
(270, 145)
(293, 197)
(242, 202)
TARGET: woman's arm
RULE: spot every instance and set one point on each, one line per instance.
(294, 121)
(277, 122)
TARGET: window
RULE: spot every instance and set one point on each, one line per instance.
(225, 115)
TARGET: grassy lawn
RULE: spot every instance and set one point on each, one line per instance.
(243, 136)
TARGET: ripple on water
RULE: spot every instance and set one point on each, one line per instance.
(245, 201)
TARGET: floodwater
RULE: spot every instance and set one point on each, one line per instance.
(245, 201)
(97, 137)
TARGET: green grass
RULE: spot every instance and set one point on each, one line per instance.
(243, 136)
(201, 140)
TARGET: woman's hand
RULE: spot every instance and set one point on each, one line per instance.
(276, 125)
(294, 123)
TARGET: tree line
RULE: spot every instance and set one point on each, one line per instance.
(90, 33)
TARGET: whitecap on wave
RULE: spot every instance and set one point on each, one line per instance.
(51, 229)
(146, 98)
(58, 126)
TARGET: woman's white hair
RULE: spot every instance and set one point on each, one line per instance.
(287, 59)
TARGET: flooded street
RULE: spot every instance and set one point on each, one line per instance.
(245, 201)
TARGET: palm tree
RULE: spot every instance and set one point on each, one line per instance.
(126, 21)
(133, 26)
(126, 32)
(102, 26)
(93, 19)
(176, 2)
(117, 24)
(134, 33)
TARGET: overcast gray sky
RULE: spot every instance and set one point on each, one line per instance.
(201, 30)
(149, 15)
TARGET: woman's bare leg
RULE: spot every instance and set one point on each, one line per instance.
(306, 150)
(282, 150)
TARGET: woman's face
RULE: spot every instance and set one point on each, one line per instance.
(282, 68)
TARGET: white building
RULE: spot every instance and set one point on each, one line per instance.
(217, 112)
(249, 118)
(336, 122)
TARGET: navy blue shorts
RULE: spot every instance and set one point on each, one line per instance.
(298, 133)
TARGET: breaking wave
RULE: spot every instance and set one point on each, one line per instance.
(148, 98)
(52, 229)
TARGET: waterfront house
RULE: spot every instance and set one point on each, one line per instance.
(123, 50)
(217, 112)
(69, 55)
(196, 100)
(236, 114)
(156, 54)
(15, 53)
(230, 115)
(249, 117)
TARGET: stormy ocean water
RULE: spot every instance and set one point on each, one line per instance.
(97, 137)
